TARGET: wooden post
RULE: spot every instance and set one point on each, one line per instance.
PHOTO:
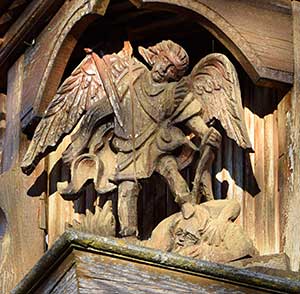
(292, 244)
(21, 239)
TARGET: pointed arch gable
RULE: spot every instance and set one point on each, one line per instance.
(265, 54)
(258, 35)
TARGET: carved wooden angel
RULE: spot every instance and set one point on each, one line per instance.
(134, 122)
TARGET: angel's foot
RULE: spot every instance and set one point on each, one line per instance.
(131, 240)
(128, 232)
(67, 190)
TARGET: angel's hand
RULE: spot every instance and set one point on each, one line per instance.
(215, 232)
(214, 138)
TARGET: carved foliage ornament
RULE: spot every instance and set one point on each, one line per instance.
(134, 122)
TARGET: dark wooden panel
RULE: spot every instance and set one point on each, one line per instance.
(24, 29)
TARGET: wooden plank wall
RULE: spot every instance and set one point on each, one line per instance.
(292, 244)
(256, 180)
(21, 239)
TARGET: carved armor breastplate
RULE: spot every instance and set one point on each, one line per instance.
(145, 108)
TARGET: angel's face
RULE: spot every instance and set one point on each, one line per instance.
(163, 69)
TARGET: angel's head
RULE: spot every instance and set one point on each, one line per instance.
(168, 60)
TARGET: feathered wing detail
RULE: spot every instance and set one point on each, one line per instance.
(75, 96)
(215, 84)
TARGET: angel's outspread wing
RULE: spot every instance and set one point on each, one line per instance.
(215, 83)
(75, 96)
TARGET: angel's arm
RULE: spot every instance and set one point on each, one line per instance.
(208, 135)
(190, 110)
(197, 125)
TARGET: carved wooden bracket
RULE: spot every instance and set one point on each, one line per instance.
(45, 62)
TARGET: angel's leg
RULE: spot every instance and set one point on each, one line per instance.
(128, 192)
(168, 168)
(206, 183)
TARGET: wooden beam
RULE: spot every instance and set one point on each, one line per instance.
(99, 251)
(26, 28)
(24, 240)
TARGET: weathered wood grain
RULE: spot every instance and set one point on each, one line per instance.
(275, 210)
(112, 266)
(25, 28)
(63, 279)
(25, 239)
(60, 212)
(269, 183)
(292, 242)
(284, 171)
(102, 274)
(248, 200)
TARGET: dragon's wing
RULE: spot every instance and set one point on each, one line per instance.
(215, 83)
(75, 96)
